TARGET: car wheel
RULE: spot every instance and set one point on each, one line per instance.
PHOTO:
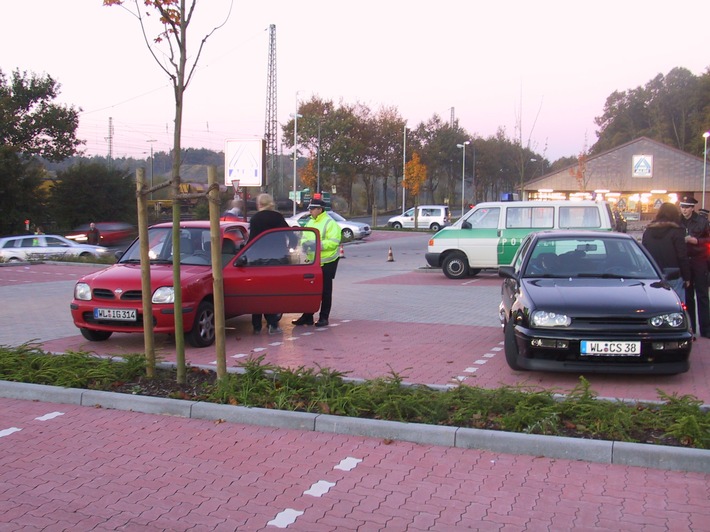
(95, 336)
(397, 225)
(203, 332)
(85, 255)
(348, 234)
(435, 227)
(455, 266)
(511, 347)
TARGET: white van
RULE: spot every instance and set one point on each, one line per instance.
(489, 234)
(432, 217)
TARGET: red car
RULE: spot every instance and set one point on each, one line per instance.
(277, 272)
(111, 233)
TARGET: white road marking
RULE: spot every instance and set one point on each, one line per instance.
(319, 488)
(7, 432)
(285, 518)
(348, 463)
(49, 416)
(471, 370)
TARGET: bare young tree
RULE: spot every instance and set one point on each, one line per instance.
(169, 47)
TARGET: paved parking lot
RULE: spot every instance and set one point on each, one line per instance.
(68, 467)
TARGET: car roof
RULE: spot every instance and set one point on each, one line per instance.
(567, 233)
(201, 224)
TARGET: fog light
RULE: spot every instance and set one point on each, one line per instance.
(549, 343)
(658, 346)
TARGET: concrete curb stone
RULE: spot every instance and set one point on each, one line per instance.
(611, 452)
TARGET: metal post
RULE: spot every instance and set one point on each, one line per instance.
(463, 174)
(151, 165)
(318, 169)
(295, 152)
(705, 163)
(404, 167)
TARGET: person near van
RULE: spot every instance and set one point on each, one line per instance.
(266, 218)
(664, 239)
(93, 235)
(697, 238)
(330, 242)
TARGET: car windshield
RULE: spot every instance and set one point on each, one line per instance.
(194, 246)
(335, 216)
(600, 257)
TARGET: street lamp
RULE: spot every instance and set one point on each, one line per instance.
(463, 170)
(705, 163)
(404, 165)
(151, 165)
(295, 116)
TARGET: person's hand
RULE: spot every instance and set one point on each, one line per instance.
(691, 240)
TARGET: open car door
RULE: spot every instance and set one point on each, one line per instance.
(277, 272)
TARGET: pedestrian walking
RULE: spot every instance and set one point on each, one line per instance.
(697, 238)
(330, 242)
(93, 235)
(664, 238)
(266, 218)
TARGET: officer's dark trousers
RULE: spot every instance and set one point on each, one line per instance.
(329, 270)
(696, 297)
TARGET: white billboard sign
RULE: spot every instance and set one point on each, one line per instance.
(244, 162)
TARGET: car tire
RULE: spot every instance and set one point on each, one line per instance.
(348, 234)
(435, 227)
(203, 329)
(95, 336)
(396, 225)
(455, 266)
(511, 347)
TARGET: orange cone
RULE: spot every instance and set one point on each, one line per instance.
(390, 257)
(341, 255)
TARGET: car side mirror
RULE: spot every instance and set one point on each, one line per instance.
(507, 272)
(241, 261)
(465, 224)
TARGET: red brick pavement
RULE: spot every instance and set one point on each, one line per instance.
(77, 468)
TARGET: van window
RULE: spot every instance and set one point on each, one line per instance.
(484, 218)
(529, 217)
(580, 217)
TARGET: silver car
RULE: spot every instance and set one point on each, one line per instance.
(27, 248)
(350, 230)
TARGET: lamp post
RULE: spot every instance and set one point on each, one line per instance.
(318, 168)
(463, 174)
(295, 116)
(151, 165)
(705, 163)
(404, 166)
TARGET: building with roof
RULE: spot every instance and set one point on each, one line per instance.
(637, 177)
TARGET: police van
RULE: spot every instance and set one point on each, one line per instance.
(490, 233)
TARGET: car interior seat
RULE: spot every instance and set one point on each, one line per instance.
(186, 247)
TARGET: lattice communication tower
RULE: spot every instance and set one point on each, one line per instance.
(270, 125)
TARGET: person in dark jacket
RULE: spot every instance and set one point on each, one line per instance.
(664, 238)
(93, 235)
(266, 218)
(697, 239)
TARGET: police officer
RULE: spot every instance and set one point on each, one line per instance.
(697, 238)
(330, 242)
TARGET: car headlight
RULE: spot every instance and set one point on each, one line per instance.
(674, 319)
(82, 291)
(164, 294)
(543, 318)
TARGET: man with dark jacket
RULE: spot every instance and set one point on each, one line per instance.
(697, 238)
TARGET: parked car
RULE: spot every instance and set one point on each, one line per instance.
(350, 230)
(45, 247)
(112, 233)
(585, 302)
(489, 235)
(271, 274)
(432, 217)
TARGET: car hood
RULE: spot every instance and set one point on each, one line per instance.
(128, 276)
(606, 296)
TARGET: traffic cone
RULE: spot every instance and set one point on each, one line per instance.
(341, 255)
(390, 257)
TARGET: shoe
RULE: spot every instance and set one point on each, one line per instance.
(257, 331)
(275, 329)
(303, 320)
(322, 323)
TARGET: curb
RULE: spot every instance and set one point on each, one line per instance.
(599, 451)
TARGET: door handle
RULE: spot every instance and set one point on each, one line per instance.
(309, 276)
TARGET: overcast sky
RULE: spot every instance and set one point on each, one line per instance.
(553, 63)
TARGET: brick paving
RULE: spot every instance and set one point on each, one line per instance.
(69, 467)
